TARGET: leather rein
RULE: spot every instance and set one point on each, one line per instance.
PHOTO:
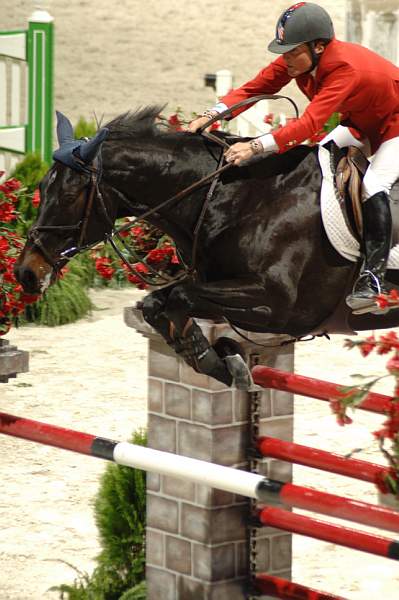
(94, 193)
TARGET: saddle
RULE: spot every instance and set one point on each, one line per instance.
(349, 173)
(348, 167)
(343, 171)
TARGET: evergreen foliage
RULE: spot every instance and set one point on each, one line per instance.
(84, 128)
(29, 172)
(120, 517)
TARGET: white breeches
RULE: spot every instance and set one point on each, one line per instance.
(384, 164)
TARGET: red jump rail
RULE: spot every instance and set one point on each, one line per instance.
(321, 459)
(276, 587)
(268, 377)
(336, 534)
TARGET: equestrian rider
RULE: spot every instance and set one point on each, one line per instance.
(339, 77)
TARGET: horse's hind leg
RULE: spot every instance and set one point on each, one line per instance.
(184, 335)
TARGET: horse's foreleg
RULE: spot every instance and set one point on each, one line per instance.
(184, 335)
(235, 299)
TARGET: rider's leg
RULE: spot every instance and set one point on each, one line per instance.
(343, 137)
(377, 224)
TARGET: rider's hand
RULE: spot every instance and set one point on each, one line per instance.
(197, 123)
(239, 153)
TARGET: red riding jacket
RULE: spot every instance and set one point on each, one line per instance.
(349, 79)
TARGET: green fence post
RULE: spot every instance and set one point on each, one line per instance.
(41, 75)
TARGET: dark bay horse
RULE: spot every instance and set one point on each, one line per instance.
(263, 260)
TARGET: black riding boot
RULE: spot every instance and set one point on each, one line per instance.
(377, 232)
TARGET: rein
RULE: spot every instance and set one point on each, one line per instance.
(94, 192)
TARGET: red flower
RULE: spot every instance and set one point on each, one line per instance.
(393, 365)
(36, 198)
(339, 409)
(104, 268)
(382, 300)
(387, 343)
(4, 245)
(269, 118)
(158, 255)
(132, 278)
(7, 212)
(12, 185)
(368, 346)
(137, 231)
(175, 123)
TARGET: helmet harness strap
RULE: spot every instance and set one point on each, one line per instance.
(314, 56)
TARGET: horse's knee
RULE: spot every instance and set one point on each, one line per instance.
(179, 305)
(152, 306)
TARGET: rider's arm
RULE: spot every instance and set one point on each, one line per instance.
(269, 80)
(334, 89)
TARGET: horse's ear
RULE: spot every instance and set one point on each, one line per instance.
(89, 150)
(64, 129)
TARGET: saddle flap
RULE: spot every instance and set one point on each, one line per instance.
(349, 175)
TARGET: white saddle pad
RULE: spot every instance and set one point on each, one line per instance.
(334, 223)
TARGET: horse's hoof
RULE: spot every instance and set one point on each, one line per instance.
(240, 372)
(210, 364)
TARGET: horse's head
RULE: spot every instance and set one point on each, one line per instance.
(67, 219)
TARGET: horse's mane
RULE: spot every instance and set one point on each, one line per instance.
(133, 123)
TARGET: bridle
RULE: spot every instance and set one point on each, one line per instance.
(81, 226)
(94, 171)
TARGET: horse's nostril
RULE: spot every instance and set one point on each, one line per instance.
(27, 279)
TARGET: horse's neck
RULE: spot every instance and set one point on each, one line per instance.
(159, 175)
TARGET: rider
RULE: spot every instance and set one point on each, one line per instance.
(339, 77)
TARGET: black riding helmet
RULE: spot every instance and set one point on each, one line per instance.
(303, 22)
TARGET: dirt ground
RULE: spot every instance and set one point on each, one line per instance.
(91, 376)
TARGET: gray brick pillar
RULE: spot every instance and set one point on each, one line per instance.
(197, 542)
(12, 361)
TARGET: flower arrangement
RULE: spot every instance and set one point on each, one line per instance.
(150, 253)
(388, 435)
(12, 298)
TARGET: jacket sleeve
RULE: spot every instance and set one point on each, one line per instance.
(269, 80)
(333, 91)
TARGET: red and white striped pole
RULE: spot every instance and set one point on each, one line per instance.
(240, 482)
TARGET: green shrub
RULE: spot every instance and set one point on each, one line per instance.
(120, 517)
(84, 128)
(29, 172)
